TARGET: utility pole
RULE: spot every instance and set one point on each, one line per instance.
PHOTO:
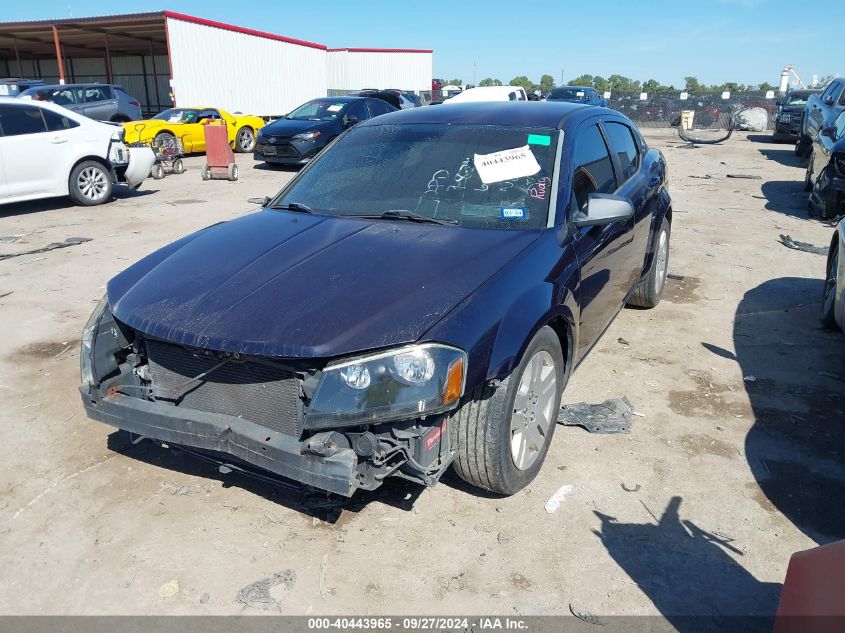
(474, 68)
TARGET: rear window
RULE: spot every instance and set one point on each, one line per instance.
(470, 175)
(56, 122)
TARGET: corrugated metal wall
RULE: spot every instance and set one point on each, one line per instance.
(240, 72)
(352, 70)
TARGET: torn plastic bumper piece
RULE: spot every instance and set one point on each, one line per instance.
(332, 470)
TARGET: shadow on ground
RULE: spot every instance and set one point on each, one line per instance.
(796, 448)
(787, 197)
(120, 192)
(331, 508)
(694, 577)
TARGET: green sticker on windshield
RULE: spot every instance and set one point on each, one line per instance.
(539, 139)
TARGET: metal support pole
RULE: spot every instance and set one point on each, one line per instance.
(109, 78)
(148, 103)
(155, 78)
(59, 55)
(18, 57)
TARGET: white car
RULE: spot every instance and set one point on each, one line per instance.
(490, 93)
(47, 151)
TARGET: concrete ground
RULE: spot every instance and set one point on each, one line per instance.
(695, 512)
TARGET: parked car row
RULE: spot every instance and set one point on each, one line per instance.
(820, 138)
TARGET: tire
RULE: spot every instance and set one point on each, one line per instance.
(649, 291)
(205, 172)
(157, 171)
(178, 166)
(245, 140)
(803, 146)
(828, 313)
(487, 426)
(232, 172)
(90, 183)
(164, 139)
(808, 175)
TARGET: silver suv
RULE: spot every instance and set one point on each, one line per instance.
(101, 102)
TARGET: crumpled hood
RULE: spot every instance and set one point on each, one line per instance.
(284, 284)
(289, 127)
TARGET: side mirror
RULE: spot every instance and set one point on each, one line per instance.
(349, 121)
(829, 131)
(264, 201)
(603, 208)
(828, 100)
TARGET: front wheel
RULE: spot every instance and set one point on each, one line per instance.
(90, 183)
(503, 433)
(649, 291)
(245, 140)
(803, 145)
(828, 312)
(178, 166)
(808, 175)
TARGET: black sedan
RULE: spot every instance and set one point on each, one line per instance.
(414, 298)
(299, 136)
(825, 177)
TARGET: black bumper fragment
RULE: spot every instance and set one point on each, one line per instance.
(275, 452)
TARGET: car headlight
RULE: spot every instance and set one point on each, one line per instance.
(305, 136)
(89, 334)
(409, 382)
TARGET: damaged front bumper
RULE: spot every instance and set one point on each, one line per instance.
(828, 195)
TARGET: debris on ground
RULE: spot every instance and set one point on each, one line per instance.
(750, 378)
(7, 239)
(745, 176)
(610, 416)
(325, 590)
(71, 241)
(675, 276)
(634, 488)
(257, 595)
(589, 618)
(204, 598)
(555, 501)
(169, 589)
(787, 241)
(622, 341)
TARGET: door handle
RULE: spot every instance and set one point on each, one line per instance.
(56, 140)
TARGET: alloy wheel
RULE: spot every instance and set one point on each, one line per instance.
(246, 140)
(662, 260)
(92, 183)
(533, 410)
(830, 285)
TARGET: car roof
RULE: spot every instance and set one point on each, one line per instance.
(573, 87)
(343, 99)
(506, 113)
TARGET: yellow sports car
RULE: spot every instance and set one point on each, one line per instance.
(186, 124)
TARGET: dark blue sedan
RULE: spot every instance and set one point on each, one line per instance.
(417, 297)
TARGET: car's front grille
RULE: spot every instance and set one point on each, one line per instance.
(282, 150)
(260, 392)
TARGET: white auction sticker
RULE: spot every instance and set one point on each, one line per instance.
(518, 162)
(335, 108)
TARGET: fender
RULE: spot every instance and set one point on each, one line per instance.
(661, 210)
(506, 312)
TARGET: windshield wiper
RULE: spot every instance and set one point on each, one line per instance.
(293, 206)
(404, 214)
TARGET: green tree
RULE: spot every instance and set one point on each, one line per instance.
(692, 85)
(583, 80)
(601, 84)
(489, 81)
(547, 82)
(523, 81)
(620, 83)
(454, 82)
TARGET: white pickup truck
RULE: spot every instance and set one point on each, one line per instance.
(48, 151)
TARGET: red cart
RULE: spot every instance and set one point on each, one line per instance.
(219, 158)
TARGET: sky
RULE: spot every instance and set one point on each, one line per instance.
(744, 41)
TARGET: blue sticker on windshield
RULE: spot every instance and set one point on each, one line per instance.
(513, 213)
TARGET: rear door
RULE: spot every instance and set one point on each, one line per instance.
(604, 252)
(100, 102)
(816, 116)
(625, 149)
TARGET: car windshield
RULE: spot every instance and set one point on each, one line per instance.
(567, 93)
(318, 110)
(178, 115)
(795, 100)
(470, 175)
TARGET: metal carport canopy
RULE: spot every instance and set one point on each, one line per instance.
(131, 34)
